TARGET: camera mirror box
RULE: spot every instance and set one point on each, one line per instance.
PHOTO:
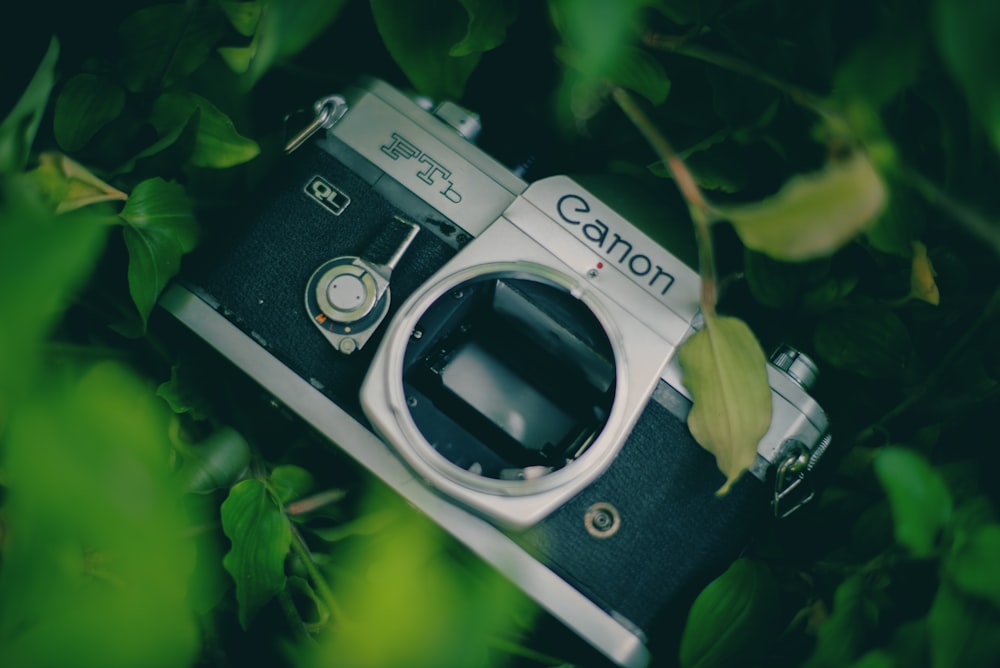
(514, 346)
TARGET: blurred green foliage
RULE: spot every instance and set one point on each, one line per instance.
(150, 513)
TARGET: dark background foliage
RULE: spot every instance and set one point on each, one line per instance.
(894, 562)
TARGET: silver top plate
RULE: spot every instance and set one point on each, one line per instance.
(427, 156)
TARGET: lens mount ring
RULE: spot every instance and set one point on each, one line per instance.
(416, 447)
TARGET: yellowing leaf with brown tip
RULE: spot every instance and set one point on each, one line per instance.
(813, 214)
(726, 372)
(69, 185)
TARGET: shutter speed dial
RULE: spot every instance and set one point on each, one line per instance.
(346, 292)
(348, 297)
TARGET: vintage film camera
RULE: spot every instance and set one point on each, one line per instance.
(502, 355)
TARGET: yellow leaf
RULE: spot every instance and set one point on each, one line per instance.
(922, 284)
(726, 372)
(69, 185)
(813, 214)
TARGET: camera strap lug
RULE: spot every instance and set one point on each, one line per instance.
(329, 110)
(792, 488)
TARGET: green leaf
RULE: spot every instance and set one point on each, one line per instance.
(286, 28)
(168, 152)
(321, 607)
(487, 27)
(972, 565)
(726, 372)
(243, 15)
(597, 45)
(844, 633)
(716, 163)
(68, 185)
(814, 214)
(288, 482)
(597, 32)
(420, 36)
(182, 391)
(17, 132)
(966, 35)
(865, 338)
(901, 222)
(163, 44)
(239, 58)
(875, 659)
(831, 291)
(411, 603)
(217, 143)
(44, 260)
(963, 631)
(365, 525)
(733, 619)
(778, 284)
(98, 574)
(261, 538)
(85, 104)
(920, 501)
(889, 62)
(639, 71)
(215, 462)
(684, 12)
(160, 228)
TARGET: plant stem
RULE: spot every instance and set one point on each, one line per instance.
(971, 220)
(702, 213)
(683, 46)
(301, 550)
(974, 222)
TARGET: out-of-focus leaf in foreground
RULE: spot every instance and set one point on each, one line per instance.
(921, 504)
(972, 565)
(437, 45)
(813, 214)
(726, 373)
(487, 27)
(966, 34)
(408, 599)
(284, 29)
(963, 630)
(96, 562)
(214, 462)
(597, 46)
(17, 131)
(846, 631)
(44, 259)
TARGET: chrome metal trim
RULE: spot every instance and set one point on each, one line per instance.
(602, 630)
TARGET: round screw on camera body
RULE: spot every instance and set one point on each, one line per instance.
(602, 520)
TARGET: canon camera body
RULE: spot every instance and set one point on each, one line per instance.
(501, 354)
